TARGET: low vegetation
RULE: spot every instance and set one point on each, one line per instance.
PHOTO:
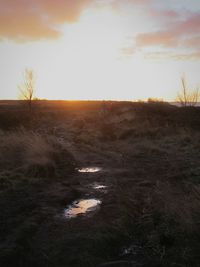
(33, 154)
(150, 209)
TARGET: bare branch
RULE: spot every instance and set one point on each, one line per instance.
(26, 88)
(187, 97)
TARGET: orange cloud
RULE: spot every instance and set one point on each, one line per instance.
(23, 20)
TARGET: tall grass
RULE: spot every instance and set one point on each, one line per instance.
(34, 154)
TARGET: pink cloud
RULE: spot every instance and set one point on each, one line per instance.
(190, 25)
(34, 19)
(163, 14)
(118, 5)
(184, 33)
(159, 38)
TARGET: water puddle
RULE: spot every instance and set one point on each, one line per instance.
(99, 186)
(90, 169)
(133, 249)
(81, 207)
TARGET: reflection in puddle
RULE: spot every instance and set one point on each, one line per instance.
(133, 249)
(99, 186)
(90, 169)
(81, 207)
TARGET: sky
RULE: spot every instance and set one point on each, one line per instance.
(100, 49)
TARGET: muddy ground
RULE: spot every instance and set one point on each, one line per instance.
(149, 210)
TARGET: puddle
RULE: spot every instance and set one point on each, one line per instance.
(131, 250)
(81, 207)
(90, 169)
(98, 186)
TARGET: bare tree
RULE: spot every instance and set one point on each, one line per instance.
(187, 97)
(27, 87)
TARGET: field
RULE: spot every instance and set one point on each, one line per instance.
(147, 184)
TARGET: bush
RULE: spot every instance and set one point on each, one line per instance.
(34, 155)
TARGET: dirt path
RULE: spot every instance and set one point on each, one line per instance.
(40, 232)
(125, 229)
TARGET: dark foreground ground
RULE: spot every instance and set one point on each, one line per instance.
(150, 209)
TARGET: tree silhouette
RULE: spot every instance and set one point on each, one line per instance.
(27, 87)
(187, 97)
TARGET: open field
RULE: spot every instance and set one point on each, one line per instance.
(147, 184)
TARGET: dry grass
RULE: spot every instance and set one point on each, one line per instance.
(33, 154)
(150, 158)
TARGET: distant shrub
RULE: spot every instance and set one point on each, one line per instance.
(155, 100)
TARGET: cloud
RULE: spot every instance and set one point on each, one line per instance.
(164, 14)
(175, 33)
(119, 5)
(187, 56)
(174, 28)
(174, 56)
(180, 34)
(132, 2)
(187, 26)
(158, 38)
(24, 20)
(193, 42)
(128, 51)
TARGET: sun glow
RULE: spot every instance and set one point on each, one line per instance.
(90, 55)
(91, 60)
